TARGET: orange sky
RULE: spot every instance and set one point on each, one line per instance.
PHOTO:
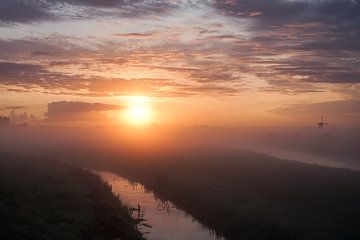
(216, 63)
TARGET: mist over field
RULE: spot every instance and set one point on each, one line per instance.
(233, 181)
(75, 144)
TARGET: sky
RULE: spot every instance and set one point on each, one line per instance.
(180, 62)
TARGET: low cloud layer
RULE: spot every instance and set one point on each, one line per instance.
(342, 108)
(78, 111)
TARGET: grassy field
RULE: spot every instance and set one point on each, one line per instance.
(44, 199)
(244, 195)
(241, 195)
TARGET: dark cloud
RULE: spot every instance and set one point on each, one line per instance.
(52, 48)
(24, 11)
(146, 35)
(78, 111)
(280, 12)
(32, 76)
(273, 10)
(311, 71)
(96, 3)
(10, 68)
(37, 77)
(320, 39)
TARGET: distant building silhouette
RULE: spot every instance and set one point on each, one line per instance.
(4, 121)
(321, 124)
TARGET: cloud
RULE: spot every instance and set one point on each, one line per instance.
(39, 78)
(300, 41)
(279, 12)
(314, 70)
(33, 49)
(337, 113)
(12, 107)
(24, 11)
(78, 111)
(146, 35)
(288, 47)
(35, 77)
(346, 107)
(21, 118)
(10, 68)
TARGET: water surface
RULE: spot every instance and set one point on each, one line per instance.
(163, 220)
(302, 157)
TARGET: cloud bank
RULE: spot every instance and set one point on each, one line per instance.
(65, 111)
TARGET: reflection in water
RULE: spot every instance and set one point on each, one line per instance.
(301, 157)
(158, 220)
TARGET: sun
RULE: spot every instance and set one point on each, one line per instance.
(139, 115)
(139, 110)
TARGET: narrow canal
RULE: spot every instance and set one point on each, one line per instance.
(160, 220)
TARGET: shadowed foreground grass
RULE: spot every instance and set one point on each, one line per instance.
(251, 196)
(45, 199)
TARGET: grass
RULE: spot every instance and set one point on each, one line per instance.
(43, 199)
(243, 195)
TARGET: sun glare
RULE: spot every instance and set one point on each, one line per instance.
(139, 110)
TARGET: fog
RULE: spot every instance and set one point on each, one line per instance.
(333, 147)
(212, 175)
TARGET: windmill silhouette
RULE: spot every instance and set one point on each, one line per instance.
(321, 124)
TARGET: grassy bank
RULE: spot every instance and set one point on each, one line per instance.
(44, 199)
(250, 196)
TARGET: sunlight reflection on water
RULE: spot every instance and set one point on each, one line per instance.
(166, 221)
(305, 158)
